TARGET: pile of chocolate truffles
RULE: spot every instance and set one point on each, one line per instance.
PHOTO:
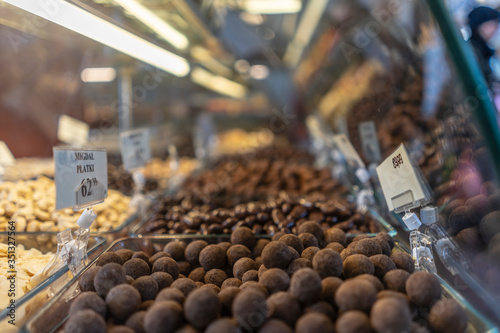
(311, 282)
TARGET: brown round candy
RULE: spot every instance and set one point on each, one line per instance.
(278, 235)
(275, 279)
(396, 280)
(166, 265)
(136, 268)
(312, 227)
(236, 252)
(192, 251)
(146, 305)
(373, 280)
(171, 294)
(298, 264)
(125, 254)
(147, 287)
(259, 246)
(254, 285)
(448, 316)
(386, 237)
(367, 246)
(85, 321)
(212, 257)
(308, 240)
(224, 245)
(201, 308)
(284, 306)
(251, 275)
(184, 268)
(274, 326)
(226, 297)
(314, 322)
(355, 294)
(353, 322)
(226, 325)
(163, 316)
(157, 256)
(185, 285)
(347, 252)
(310, 252)
(322, 307)
(175, 249)
(292, 241)
(197, 274)
(243, 236)
(337, 247)
(276, 255)
(107, 277)
(215, 276)
(390, 315)
(357, 264)
(187, 329)
(88, 300)
(231, 282)
(140, 255)
(423, 288)
(250, 309)
(306, 285)
(108, 257)
(329, 286)
(336, 235)
(211, 286)
(86, 282)
(382, 265)
(242, 266)
(327, 262)
(403, 260)
(136, 321)
(122, 301)
(164, 280)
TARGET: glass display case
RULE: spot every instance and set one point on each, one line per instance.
(261, 103)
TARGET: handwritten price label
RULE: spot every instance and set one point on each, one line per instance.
(135, 147)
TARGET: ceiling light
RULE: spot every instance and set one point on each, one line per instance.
(218, 83)
(93, 27)
(272, 6)
(156, 24)
(100, 74)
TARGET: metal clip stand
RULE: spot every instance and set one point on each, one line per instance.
(420, 243)
(139, 202)
(364, 197)
(174, 180)
(79, 259)
(448, 251)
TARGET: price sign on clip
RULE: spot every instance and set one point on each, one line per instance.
(72, 131)
(369, 141)
(136, 150)
(403, 187)
(81, 177)
(6, 157)
(347, 149)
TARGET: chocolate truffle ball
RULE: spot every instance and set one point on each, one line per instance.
(353, 322)
(122, 301)
(388, 238)
(242, 266)
(390, 315)
(322, 307)
(382, 265)
(136, 268)
(275, 279)
(337, 247)
(373, 280)
(85, 321)
(459, 219)
(391, 293)
(86, 282)
(224, 245)
(274, 326)
(164, 280)
(386, 248)
(293, 241)
(327, 263)
(284, 306)
(312, 227)
(187, 329)
(236, 252)
(88, 300)
(226, 297)
(108, 257)
(185, 285)
(293, 254)
(254, 285)
(130, 279)
(423, 288)
(125, 254)
(210, 286)
(298, 264)
(308, 240)
(192, 251)
(347, 252)
(329, 287)
(215, 276)
(225, 325)
(368, 246)
(355, 294)
(243, 236)
(262, 269)
(310, 252)
(396, 280)
(184, 268)
(314, 322)
(276, 255)
(306, 285)
(175, 249)
(120, 329)
(250, 309)
(212, 257)
(251, 275)
(470, 239)
(162, 317)
(448, 316)
(146, 305)
(171, 294)
(278, 235)
(140, 255)
(259, 246)
(147, 287)
(157, 256)
(166, 265)
(231, 282)
(360, 237)
(403, 260)
(489, 226)
(197, 274)
(336, 235)
(136, 322)
(109, 275)
(357, 264)
(201, 308)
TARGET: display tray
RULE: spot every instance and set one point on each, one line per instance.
(33, 299)
(53, 315)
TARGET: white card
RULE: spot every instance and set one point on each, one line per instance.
(369, 141)
(135, 147)
(401, 184)
(6, 157)
(81, 177)
(72, 131)
(347, 149)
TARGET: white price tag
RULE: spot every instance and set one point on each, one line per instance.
(402, 186)
(341, 126)
(136, 149)
(347, 149)
(369, 141)
(81, 177)
(6, 157)
(72, 131)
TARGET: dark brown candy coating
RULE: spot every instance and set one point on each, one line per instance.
(353, 322)
(347, 252)
(86, 282)
(175, 249)
(212, 257)
(226, 297)
(390, 315)
(224, 245)
(107, 277)
(184, 268)
(314, 322)
(236, 252)
(275, 279)
(250, 301)
(251, 275)
(322, 307)
(423, 288)
(355, 294)
(396, 280)
(197, 274)
(313, 228)
(226, 325)
(146, 305)
(298, 264)
(403, 260)
(310, 252)
(85, 321)
(259, 246)
(157, 256)
(242, 266)
(108, 257)
(388, 238)
(136, 322)
(231, 282)
(88, 300)
(367, 246)
(201, 307)
(140, 255)
(327, 262)
(373, 280)
(329, 286)
(305, 284)
(167, 265)
(336, 235)
(120, 329)
(275, 326)
(163, 317)
(171, 294)
(308, 240)
(136, 268)
(185, 285)
(357, 264)
(243, 236)
(122, 301)
(382, 265)
(192, 251)
(448, 316)
(147, 287)
(215, 276)
(337, 247)
(284, 306)
(293, 241)
(276, 255)
(164, 280)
